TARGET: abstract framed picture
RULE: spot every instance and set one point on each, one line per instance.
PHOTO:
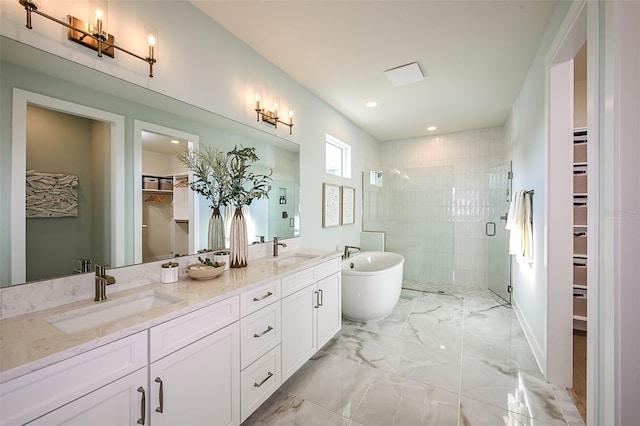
(330, 205)
(348, 210)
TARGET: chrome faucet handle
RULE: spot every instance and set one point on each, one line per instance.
(85, 265)
(100, 270)
(100, 289)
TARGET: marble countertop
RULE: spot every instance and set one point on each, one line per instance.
(28, 342)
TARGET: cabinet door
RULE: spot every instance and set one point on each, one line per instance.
(122, 402)
(298, 330)
(28, 397)
(200, 383)
(330, 309)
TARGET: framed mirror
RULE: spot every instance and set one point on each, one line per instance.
(42, 74)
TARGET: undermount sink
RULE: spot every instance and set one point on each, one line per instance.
(107, 312)
(291, 260)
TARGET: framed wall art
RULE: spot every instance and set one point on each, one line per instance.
(348, 209)
(330, 205)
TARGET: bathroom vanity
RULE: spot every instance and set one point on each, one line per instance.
(208, 352)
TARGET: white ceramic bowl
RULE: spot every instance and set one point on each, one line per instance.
(200, 271)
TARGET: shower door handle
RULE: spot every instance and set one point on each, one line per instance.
(492, 226)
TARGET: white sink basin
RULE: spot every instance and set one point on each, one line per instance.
(291, 260)
(109, 311)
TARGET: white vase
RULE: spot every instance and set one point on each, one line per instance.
(239, 243)
(216, 231)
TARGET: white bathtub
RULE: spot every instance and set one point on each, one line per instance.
(371, 285)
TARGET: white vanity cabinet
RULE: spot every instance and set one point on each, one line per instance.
(194, 373)
(101, 382)
(311, 313)
(214, 365)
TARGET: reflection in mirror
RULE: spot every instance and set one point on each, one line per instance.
(65, 193)
(66, 196)
(68, 83)
(164, 209)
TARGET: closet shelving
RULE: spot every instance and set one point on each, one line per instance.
(155, 184)
(580, 230)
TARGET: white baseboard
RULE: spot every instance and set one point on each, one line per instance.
(538, 353)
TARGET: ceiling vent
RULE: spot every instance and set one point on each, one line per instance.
(405, 74)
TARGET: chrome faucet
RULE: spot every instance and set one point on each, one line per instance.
(276, 243)
(85, 266)
(347, 251)
(101, 283)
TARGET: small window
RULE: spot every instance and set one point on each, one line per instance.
(338, 157)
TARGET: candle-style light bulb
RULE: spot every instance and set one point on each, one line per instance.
(257, 101)
(99, 21)
(152, 42)
(275, 109)
(291, 117)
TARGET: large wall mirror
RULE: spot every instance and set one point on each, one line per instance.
(143, 115)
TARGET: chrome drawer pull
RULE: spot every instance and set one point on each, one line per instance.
(160, 409)
(143, 406)
(255, 299)
(263, 333)
(257, 385)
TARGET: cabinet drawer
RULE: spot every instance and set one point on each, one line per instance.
(179, 332)
(329, 267)
(259, 381)
(297, 281)
(266, 294)
(259, 332)
(34, 394)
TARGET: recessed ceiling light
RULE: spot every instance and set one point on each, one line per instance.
(431, 128)
(371, 104)
(175, 141)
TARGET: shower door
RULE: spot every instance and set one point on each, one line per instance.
(499, 260)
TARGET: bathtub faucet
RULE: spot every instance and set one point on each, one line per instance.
(347, 251)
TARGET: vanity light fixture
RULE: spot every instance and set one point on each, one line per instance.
(271, 117)
(91, 36)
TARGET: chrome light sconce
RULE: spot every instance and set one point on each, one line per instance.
(91, 36)
(271, 117)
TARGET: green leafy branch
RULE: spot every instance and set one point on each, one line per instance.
(246, 186)
(211, 176)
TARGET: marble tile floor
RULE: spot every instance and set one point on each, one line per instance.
(458, 358)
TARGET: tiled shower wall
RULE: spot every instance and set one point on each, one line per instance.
(433, 204)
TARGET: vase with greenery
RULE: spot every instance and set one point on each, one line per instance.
(211, 179)
(244, 187)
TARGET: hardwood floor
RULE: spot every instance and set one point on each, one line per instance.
(579, 391)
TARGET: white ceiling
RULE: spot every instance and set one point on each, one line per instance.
(162, 143)
(474, 54)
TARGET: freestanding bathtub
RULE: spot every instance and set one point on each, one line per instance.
(371, 285)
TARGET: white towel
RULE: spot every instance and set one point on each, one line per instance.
(520, 226)
(513, 225)
(527, 227)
